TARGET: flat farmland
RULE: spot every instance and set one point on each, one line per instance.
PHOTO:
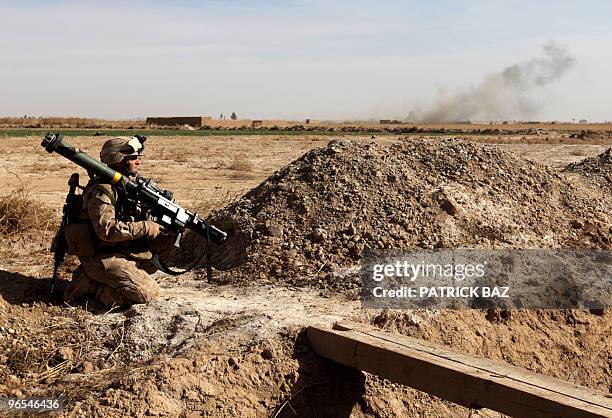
(213, 168)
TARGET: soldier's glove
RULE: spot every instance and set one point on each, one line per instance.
(152, 229)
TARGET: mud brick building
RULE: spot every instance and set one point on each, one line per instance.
(195, 121)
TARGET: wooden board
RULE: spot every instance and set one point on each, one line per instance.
(464, 379)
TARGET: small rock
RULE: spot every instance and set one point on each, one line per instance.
(274, 231)
(319, 235)
(207, 388)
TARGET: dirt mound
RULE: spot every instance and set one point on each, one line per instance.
(310, 221)
(589, 134)
(598, 168)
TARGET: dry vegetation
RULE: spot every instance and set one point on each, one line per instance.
(219, 199)
(67, 122)
(25, 223)
(240, 163)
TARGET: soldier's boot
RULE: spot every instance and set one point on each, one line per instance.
(80, 285)
(110, 297)
(125, 296)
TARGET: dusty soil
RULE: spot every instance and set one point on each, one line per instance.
(237, 348)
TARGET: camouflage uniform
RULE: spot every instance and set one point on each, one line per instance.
(118, 272)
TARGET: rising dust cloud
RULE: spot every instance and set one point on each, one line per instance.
(503, 95)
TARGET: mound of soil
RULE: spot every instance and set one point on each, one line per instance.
(310, 221)
(597, 168)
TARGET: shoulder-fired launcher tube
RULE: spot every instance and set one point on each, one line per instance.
(57, 143)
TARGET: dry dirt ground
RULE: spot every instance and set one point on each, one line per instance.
(238, 349)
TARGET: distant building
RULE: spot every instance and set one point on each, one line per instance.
(583, 121)
(195, 121)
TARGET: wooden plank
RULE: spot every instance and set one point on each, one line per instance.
(467, 380)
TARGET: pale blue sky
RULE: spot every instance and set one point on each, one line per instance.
(291, 59)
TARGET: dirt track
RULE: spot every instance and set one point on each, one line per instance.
(227, 350)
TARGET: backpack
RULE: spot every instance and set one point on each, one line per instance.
(79, 234)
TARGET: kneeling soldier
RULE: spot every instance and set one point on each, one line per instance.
(124, 240)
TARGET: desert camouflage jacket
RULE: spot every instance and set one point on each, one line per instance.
(101, 204)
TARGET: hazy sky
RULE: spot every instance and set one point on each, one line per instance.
(292, 59)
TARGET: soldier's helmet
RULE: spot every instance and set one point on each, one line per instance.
(116, 149)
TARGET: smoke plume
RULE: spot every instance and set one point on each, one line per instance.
(503, 95)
